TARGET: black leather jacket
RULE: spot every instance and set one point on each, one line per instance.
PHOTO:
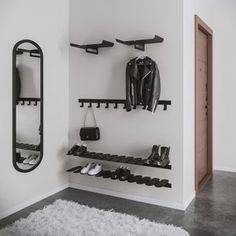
(143, 84)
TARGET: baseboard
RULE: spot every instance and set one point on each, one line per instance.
(32, 201)
(189, 200)
(226, 169)
(129, 196)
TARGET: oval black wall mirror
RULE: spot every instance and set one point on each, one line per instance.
(27, 105)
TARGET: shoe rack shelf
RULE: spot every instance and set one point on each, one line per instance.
(31, 147)
(137, 179)
(119, 159)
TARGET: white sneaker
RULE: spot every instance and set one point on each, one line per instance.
(27, 160)
(95, 169)
(33, 160)
(86, 168)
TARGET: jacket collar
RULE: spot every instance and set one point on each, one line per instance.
(135, 68)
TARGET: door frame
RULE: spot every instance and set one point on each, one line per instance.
(201, 25)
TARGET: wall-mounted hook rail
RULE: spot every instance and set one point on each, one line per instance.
(140, 44)
(33, 52)
(116, 102)
(93, 48)
(22, 101)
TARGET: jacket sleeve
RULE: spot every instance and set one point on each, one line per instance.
(128, 89)
(156, 90)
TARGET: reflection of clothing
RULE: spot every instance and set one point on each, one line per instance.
(143, 84)
(18, 84)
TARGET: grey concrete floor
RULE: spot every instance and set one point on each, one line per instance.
(212, 213)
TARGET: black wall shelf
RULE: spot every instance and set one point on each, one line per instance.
(140, 44)
(167, 185)
(116, 102)
(93, 48)
(31, 147)
(120, 159)
(33, 52)
(28, 101)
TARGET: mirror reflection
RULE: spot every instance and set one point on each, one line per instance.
(27, 106)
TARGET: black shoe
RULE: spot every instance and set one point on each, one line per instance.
(74, 169)
(117, 173)
(131, 179)
(161, 183)
(106, 174)
(143, 180)
(19, 158)
(81, 150)
(152, 182)
(164, 160)
(125, 173)
(73, 149)
(154, 156)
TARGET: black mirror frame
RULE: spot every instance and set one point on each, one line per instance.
(14, 103)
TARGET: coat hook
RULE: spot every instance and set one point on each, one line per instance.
(107, 105)
(116, 106)
(144, 107)
(134, 107)
(90, 105)
(35, 103)
(98, 105)
(23, 103)
(165, 107)
(17, 102)
(124, 107)
(82, 104)
(29, 103)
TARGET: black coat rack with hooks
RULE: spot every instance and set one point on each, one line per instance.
(140, 44)
(115, 103)
(28, 101)
(93, 48)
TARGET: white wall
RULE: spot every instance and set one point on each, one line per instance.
(45, 22)
(103, 76)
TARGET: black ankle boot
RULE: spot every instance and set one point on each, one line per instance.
(163, 159)
(153, 158)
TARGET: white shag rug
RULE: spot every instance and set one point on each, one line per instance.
(66, 218)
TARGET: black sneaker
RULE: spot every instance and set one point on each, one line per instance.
(73, 149)
(161, 183)
(125, 173)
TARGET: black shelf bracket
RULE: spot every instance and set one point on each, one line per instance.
(32, 53)
(140, 44)
(116, 102)
(28, 101)
(93, 48)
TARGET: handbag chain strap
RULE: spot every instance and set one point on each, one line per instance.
(94, 118)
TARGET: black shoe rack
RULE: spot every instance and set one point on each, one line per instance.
(120, 159)
(31, 147)
(137, 179)
(116, 102)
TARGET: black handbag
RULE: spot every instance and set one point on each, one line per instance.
(90, 133)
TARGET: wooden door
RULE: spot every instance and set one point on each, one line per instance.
(203, 103)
